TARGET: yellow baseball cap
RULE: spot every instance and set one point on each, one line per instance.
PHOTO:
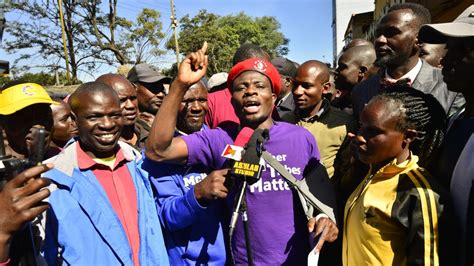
(22, 95)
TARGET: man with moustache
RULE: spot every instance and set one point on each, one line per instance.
(150, 91)
(102, 210)
(193, 232)
(254, 84)
(397, 48)
(133, 133)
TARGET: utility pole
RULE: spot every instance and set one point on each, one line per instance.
(56, 75)
(66, 56)
(4, 65)
(3, 5)
(174, 24)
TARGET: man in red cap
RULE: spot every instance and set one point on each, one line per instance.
(277, 224)
(220, 109)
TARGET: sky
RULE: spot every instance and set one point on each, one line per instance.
(306, 23)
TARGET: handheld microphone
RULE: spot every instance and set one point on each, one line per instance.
(235, 151)
(249, 167)
(243, 137)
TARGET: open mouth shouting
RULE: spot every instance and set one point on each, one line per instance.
(251, 106)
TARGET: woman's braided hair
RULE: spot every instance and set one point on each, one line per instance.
(419, 111)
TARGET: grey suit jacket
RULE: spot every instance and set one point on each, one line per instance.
(429, 80)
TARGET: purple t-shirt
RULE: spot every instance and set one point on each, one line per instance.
(277, 222)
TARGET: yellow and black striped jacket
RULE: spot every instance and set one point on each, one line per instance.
(392, 218)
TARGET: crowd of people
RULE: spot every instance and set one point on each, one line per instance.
(133, 171)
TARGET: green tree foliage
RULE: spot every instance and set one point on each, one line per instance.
(95, 35)
(42, 78)
(144, 36)
(4, 80)
(225, 34)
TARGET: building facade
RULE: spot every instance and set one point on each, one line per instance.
(358, 26)
(441, 10)
(342, 11)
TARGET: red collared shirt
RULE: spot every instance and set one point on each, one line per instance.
(120, 190)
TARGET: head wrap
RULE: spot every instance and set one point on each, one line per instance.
(259, 65)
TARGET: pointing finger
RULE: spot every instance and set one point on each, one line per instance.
(204, 47)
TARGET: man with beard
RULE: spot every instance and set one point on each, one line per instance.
(102, 210)
(133, 133)
(397, 48)
(455, 168)
(254, 84)
(150, 91)
(193, 232)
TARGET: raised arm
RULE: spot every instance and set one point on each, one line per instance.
(161, 144)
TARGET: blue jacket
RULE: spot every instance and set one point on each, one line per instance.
(193, 233)
(81, 225)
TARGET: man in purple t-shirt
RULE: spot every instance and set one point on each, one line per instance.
(278, 225)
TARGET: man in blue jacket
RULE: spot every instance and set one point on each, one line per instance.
(192, 227)
(102, 211)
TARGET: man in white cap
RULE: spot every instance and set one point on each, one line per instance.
(456, 170)
(217, 82)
